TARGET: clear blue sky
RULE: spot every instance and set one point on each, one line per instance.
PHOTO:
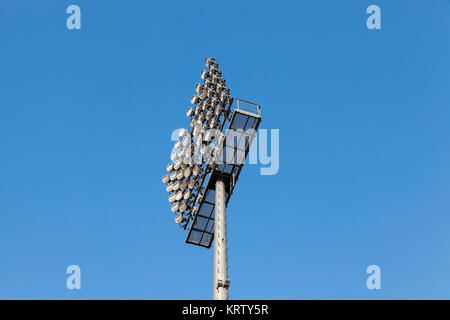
(364, 118)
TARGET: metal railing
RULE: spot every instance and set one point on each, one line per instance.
(258, 107)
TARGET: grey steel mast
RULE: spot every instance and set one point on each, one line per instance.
(221, 283)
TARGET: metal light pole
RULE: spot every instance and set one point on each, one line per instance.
(221, 283)
(198, 181)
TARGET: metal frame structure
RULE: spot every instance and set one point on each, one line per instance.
(203, 220)
(204, 211)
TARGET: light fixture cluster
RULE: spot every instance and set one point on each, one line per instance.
(196, 150)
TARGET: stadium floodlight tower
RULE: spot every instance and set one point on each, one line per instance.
(206, 162)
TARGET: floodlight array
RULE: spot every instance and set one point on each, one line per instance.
(197, 149)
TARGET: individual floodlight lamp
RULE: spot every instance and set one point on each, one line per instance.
(177, 164)
(175, 206)
(182, 207)
(179, 195)
(165, 178)
(187, 195)
(196, 171)
(187, 172)
(191, 183)
(209, 62)
(172, 197)
(189, 112)
(194, 99)
(179, 218)
(183, 185)
(203, 94)
(204, 75)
